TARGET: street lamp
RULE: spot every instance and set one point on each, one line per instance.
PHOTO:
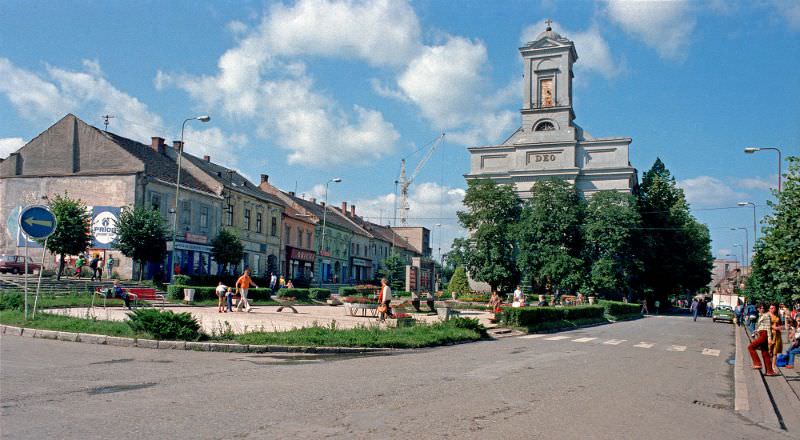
(438, 225)
(746, 241)
(325, 219)
(755, 232)
(751, 150)
(203, 118)
(741, 250)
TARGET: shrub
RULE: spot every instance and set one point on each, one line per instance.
(182, 280)
(298, 294)
(348, 291)
(617, 308)
(319, 294)
(458, 282)
(469, 323)
(532, 316)
(165, 325)
(11, 301)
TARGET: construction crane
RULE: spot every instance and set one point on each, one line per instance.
(406, 181)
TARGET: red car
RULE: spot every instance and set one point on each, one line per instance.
(16, 264)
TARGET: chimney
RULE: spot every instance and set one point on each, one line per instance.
(314, 200)
(265, 178)
(157, 144)
(353, 211)
(291, 193)
(207, 158)
(344, 208)
(322, 204)
(177, 145)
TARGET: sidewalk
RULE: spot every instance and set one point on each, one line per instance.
(771, 402)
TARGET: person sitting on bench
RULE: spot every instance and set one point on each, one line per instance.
(120, 293)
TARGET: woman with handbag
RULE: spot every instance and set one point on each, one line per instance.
(384, 300)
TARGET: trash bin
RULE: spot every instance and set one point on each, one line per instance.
(444, 313)
(188, 295)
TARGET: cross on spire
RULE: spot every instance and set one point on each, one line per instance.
(548, 22)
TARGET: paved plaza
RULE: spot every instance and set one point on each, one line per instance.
(262, 318)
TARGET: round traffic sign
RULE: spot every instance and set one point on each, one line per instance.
(37, 222)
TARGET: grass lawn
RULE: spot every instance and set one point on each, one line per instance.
(49, 300)
(406, 337)
(48, 321)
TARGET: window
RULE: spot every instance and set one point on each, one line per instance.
(274, 231)
(155, 201)
(204, 217)
(246, 219)
(299, 237)
(546, 92)
(258, 221)
(353, 249)
(545, 126)
(186, 212)
(358, 249)
(308, 240)
(229, 216)
(287, 233)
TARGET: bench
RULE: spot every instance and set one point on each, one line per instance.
(135, 294)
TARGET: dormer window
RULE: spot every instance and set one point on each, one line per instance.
(545, 126)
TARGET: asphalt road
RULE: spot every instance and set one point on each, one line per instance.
(655, 378)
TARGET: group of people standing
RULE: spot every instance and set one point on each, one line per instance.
(226, 294)
(96, 266)
(767, 337)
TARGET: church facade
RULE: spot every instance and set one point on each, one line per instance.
(549, 144)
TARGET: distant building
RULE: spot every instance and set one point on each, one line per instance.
(549, 144)
(417, 236)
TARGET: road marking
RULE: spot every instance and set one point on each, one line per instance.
(677, 348)
(583, 339)
(710, 352)
(556, 338)
(615, 341)
(531, 336)
(644, 345)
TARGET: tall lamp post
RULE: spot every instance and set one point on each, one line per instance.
(755, 232)
(325, 220)
(741, 250)
(746, 242)
(751, 150)
(203, 118)
(438, 226)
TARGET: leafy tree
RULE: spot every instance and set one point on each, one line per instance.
(458, 282)
(491, 212)
(73, 233)
(227, 249)
(393, 268)
(776, 264)
(674, 248)
(612, 219)
(141, 236)
(550, 237)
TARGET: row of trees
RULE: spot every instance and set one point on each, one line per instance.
(614, 244)
(141, 235)
(775, 275)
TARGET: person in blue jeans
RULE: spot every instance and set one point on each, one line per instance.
(695, 308)
(120, 293)
(794, 348)
(749, 311)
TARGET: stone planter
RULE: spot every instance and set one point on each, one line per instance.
(592, 300)
(333, 302)
(445, 313)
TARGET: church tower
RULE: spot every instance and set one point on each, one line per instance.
(549, 144)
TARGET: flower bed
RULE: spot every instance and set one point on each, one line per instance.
(358, 300)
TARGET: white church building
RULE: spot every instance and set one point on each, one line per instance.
(549, 143)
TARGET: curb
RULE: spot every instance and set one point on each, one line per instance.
(221, 347)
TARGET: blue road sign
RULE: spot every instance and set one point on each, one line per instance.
(37, 222)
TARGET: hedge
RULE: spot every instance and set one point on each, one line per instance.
(298, 294)
(348, 291)
(531, 316)
(319, 294)
(618, 308)
(204, 292)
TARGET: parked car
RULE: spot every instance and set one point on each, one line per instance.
(16, 264)
(722, 313)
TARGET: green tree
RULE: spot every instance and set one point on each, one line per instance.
(393, 268)
(776, 264)
(491, 212)
(674, 248)
(227, 249)
(141, 235)
(458, 282)
(73, 233)
(612, 219)
(550, 237)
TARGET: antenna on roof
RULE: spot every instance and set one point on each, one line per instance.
(105, 120)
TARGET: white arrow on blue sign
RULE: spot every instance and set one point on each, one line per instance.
(37, 222)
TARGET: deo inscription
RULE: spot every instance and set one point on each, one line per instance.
(545, 157)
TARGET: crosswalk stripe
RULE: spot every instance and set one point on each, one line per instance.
(644, 345)
(556, 338)
(710, 352)
(677, 348)
(583, 339)
(531, 336)
(615, 341)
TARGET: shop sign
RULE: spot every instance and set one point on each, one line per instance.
(196, 238)
(361, 262)
(104, 226)
(301, 255)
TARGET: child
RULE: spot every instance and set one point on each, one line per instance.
(220, 291)
(229, 300)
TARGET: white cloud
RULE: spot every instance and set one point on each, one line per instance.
(10, 145)
(223, 148)
(664, 25)
(33, 97)
(709, 191)
(757, 183)
(789, 10)
(594, 53)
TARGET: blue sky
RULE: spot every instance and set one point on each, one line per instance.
(313, 89)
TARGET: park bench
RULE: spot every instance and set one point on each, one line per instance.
(135, 294)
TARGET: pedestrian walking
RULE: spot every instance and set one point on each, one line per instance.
(273, 283)
(384, 300)
(762, 341)
(79, 265)
(220, 291)
(776, 346)
(658, 306)
(93, 265)
(694, 308)
(644, 307)
(242, 285)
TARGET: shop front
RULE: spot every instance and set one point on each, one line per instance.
(190, 259)
(360, 269)
(299, 263)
